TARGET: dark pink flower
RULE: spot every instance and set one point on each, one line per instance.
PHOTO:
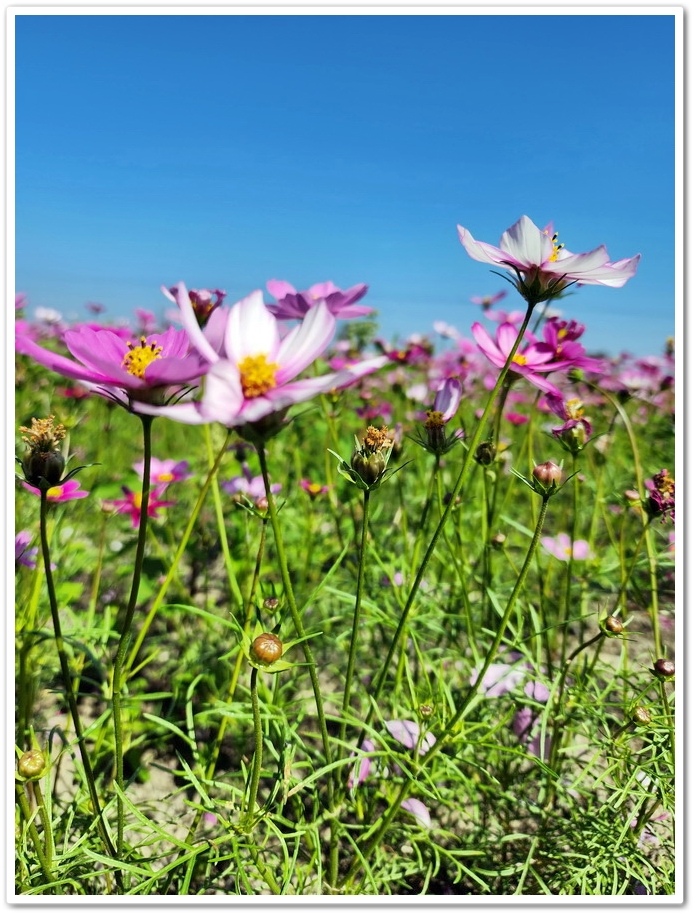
(292, 304)
(131, 504)
(529, 361)
(62, 492)
(163, 472)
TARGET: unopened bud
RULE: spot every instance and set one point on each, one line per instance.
(31, 764)
(613, 626)
(485, 453)
(641, 715)
(266, 648)
(547, 474)
(498, 540)
(664, 668)
(369, 466)
(271, 604)
(41, 468)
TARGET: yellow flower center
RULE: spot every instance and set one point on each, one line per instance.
(257, 375)
(520, 359)
(556, 247)
(139, 358)
(165, 477)
(138, 500)
(434, 419)
(574, 409)
(54, 492)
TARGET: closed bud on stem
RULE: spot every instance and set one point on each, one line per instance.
(547, 474)
(485, 453)
(664, 669)
(641, 715)
(43, 464)
(612, 626)
(370, 466)
(31, 764)
(266, 649)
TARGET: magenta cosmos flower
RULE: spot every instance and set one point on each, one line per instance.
(560, 548)
(131, 504)
(530, 362)
(542, 266)
(252, 376)
(62, 492)
(163, 472)
(129, 373)
(292, 304)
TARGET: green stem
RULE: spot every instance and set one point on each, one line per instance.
(350, 668)
(258, 744)
(220, 517)
(119, 677)
(24, 807)
(571, 561)
(177, 556)
(67, 679)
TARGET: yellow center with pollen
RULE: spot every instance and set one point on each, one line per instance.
(257, 375)
(556, 247)
(54, 492)
(574, 408)
(165, 477)
(139, 358)
(520, 359)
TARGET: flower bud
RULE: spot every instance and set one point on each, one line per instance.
(498, 540)
(271, 604)
(485, 453)
(613, 626)
(664, 668)
(266, 649)
(548, 474)
(31, 764)
(369, 466)
(43, 467)
(641, 715)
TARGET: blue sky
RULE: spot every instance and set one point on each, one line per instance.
(229, 150)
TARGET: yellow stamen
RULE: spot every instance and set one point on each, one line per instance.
(258, 375)
(520, 359)
(556, 247)
(54, 492)
(165, 477)
(139, 358)
(574, 409)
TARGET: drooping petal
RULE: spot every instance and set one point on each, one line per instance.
(222, 399)
(487, 346)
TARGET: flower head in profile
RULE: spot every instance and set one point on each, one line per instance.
(433, 437)
(130, 372)
(576, 429)
(660, 502)
(340, 303)
(203, 301)
(24, 554)
(253, 375)
(542, 266)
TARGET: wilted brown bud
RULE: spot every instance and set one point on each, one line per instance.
(641, 715)
(664, 668)
(613, 626)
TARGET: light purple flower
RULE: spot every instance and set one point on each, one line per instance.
(292, 304)
(163, 472)
(362, 769)
(559, 547)
(408, 733)
(24, 554)
(252, 376)
(542, 266)
(248, 485)
(499, 679)
(448, 398)
(129, 373)
(418, 810)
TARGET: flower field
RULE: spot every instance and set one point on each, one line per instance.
(302, 611)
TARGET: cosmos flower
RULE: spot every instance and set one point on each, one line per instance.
(249, 485)
(131, 504)
(203, 301)
(251, 378)
(559, 547)
(529, 362)
(24, 554)
(62, 492)
(163, 472)
(131, 374)
(292, 304)
(542, 266)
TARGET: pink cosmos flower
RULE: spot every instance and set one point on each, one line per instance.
(204, 301)
(131, 374)
(292, 304)
(163, 472)
(559, 547)
(571, 412)
(313, 489)
(252, 376)
(250, 486)
(24, 554)
(528, 362)
(487, 301)
(131, 504)
(542, 266)
(562, 337)
(61, 493)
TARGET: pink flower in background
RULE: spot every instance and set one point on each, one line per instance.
(528, 362)
(24, 554)
(571, 412)
(131, 504)
(252, 376)
(162, 473)
(568, 353)
(408, 733)
(61, 493)
(340, 303)
(313, 489)
(559, 547)
(542, 266)
(203, 301)
(129, 373)
(487, 301)
(250, 486)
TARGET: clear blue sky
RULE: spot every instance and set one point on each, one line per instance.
(228, 150)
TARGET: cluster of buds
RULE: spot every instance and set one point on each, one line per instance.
(43, 462)
(368, 463)
(660, 502)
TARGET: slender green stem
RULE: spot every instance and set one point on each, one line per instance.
(118, 671)
(571, 561)
(159, 598)
(258, 744)
(384, 822)
(220, 517)
(24, 807)
(68, 681)
(350, 668)
(459, 485)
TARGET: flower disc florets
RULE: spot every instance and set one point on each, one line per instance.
(43, 463)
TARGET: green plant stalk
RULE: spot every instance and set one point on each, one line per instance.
(43, 814)
(308, 654)
(350, 667)
(220, 518)
(159, 598)
(119, 675)
(571, 560)
(383, 824)
(44, 862)
(67, 679)
(459, 485)
(258, 744)
(425, 512)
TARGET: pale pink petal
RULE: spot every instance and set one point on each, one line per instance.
(280, 288)
(190, 322)
(481, 251)
(418, 810)
(305, 342)
(526, 243)
(251, 330)
(506, 337)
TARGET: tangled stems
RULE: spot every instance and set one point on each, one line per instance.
(178, 555)
(67, 679)
(309, 656)
(469, 696)
(118, 672)
(458, 486)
